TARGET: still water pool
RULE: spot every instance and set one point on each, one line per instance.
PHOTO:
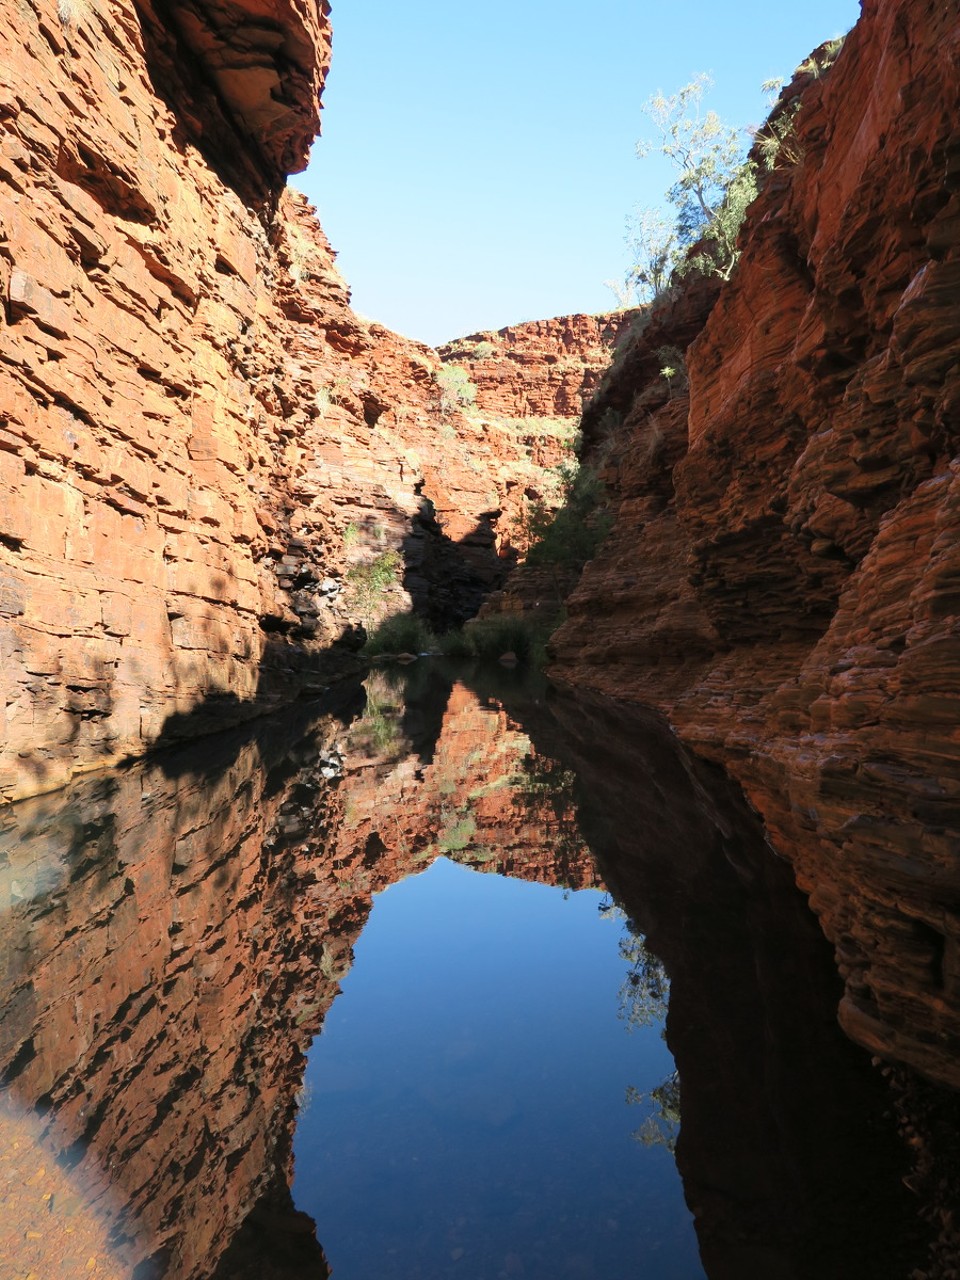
(481, 1101)
(448, 977)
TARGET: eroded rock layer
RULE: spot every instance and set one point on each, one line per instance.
(541, 368)
(214, 474)
(782, 576)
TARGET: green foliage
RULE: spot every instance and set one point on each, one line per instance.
(472, 349)
(714, 186)
(662, 1125)
(488, 639)
(673, 367)
(401, 633)
(654, 245)
(822, 59)
(646, 989)
(507, 633)
(721, 254)
(379, 730)
(456, 644)
(457, 837)
(569, 537)
(367, 582)
(777, 143)
(336, 393)
(705, 152)
(456, 389)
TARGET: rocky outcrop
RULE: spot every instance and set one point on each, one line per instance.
(539, 369)
(527, 385)
(781, 579)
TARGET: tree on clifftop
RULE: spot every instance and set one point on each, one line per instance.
(709, 199)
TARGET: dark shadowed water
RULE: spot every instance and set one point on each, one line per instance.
(449, 977)
(480, 1102)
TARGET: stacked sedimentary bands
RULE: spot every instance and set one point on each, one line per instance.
(215, 475)
(782, 578)
(171, 938)
(539, 369)
(213, 472)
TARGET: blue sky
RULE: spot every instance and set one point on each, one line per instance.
(478, 160)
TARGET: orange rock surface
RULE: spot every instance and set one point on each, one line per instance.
(782, 577)
(539, 369)
(205, 455)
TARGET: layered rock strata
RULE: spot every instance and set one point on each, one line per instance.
(781, 578)
(530, 382)
(541, 368)
(215, 474)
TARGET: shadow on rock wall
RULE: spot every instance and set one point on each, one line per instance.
(788, 1165)
(446, 582)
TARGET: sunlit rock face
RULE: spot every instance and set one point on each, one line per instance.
(205, 455)
(781, 579)
(539, 369)
(142, 369)
(529, 384)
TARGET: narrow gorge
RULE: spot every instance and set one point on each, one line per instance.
(217, 481)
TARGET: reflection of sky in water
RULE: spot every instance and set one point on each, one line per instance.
(467, 1109)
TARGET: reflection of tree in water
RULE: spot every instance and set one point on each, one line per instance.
(541, 781)
(644, 996)
(378, 732)
(662, 1125)
(645, 991)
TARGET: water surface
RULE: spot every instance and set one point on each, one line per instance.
(355, 988)
(477, 1098)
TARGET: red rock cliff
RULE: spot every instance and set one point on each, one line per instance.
(782, 577)
(541, 368)
(205, 457)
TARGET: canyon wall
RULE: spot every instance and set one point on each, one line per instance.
(528, 384)
(782, 575)
(214, 474)
(541, 368)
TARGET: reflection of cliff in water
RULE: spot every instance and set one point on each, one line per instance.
(787, 1164)
(173, 935)
(164, 947)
